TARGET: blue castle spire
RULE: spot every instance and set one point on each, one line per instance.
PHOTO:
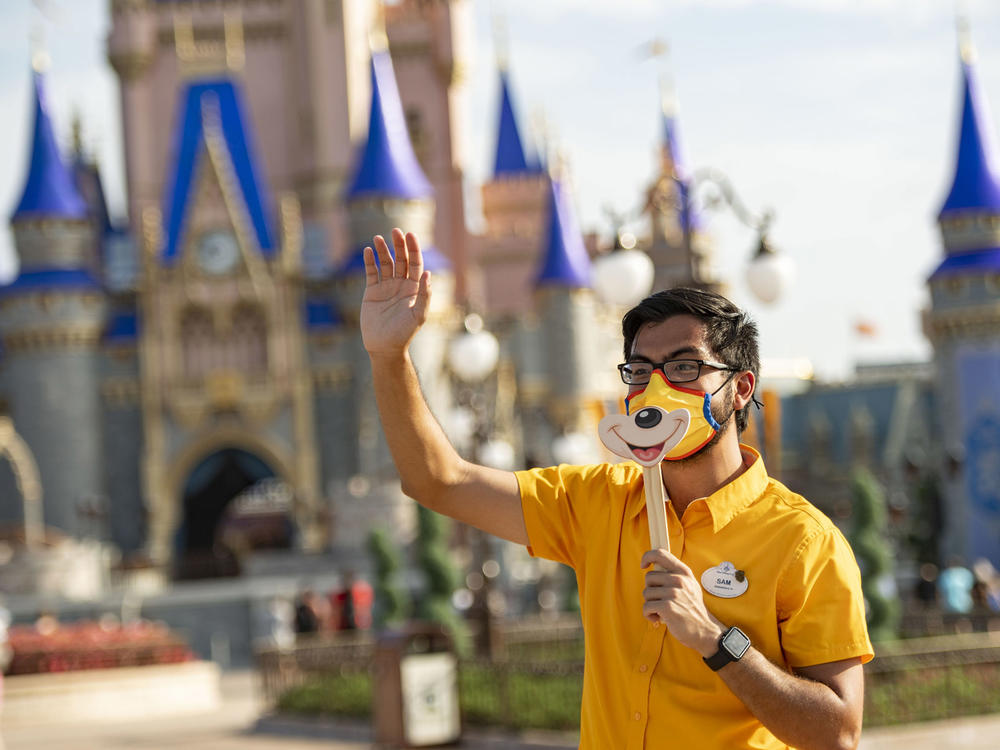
(49, 191)
(975, 186)
(675, 163)
(511, 157)
(189, 147)
(388, 166)
(566, 261)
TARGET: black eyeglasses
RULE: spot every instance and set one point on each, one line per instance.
(675, 370)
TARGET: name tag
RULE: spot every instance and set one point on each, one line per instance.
(725, 581)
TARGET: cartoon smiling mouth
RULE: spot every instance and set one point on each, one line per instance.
(648, 453)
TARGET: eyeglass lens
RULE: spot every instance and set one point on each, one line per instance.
(676, 371)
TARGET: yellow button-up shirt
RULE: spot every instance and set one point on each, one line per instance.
(642, 689)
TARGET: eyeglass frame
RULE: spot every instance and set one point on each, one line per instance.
(660, 365)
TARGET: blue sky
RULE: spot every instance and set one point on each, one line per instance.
(840, 115)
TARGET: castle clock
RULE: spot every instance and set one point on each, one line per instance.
(218, 251)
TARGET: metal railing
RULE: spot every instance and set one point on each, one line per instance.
(538, 680)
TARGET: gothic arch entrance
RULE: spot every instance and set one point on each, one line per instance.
(29, 487)
(233, 502)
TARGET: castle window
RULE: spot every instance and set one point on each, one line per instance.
(955, 286)
(248, 346)
(418, 135)
(197, 342)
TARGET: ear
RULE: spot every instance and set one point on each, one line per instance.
(745, 384)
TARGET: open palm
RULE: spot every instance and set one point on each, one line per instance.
(397, 293)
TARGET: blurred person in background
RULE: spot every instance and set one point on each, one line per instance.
(955, 584)
(5, 653)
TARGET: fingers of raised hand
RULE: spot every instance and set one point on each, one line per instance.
(371, 268)
(415, 259)
(401, 267)
(386, 264)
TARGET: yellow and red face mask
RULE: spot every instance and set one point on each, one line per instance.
(662, 421)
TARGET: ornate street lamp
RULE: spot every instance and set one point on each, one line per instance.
(769, 272)
(472, 357)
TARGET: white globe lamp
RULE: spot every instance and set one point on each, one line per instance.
(573, 448)
(499, 454)
(473, 355)
(623, 277)
(769, 273)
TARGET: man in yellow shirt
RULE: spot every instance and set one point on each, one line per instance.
(750, 633)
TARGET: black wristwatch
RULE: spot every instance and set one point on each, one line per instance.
(732, 645)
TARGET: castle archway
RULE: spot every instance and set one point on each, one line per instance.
(232, 503)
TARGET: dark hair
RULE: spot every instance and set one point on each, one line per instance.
(729, 332)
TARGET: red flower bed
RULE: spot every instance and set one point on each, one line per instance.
(92, 645)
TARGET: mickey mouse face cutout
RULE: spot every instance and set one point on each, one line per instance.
(660, 421)
(645, 436)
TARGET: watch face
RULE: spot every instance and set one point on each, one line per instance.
(735, 642)
(218, 251)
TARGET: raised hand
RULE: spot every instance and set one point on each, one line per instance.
(397, 293)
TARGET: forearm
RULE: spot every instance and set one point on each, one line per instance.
(425, 459)
(802, 712)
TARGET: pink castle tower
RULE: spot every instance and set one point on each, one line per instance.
(515, 207)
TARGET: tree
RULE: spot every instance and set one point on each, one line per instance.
(390, 603)
(440, 575)
(870, 540)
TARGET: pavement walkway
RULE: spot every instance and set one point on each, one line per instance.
(238, 726)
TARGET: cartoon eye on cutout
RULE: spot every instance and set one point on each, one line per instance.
(646, 436)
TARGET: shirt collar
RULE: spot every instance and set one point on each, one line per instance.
(728, 501)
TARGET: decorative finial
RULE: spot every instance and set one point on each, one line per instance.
(378, 38)
(668, 95)
(501, 41)
(966, 49)
(40, 60)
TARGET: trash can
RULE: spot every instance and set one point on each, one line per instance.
(416, 688)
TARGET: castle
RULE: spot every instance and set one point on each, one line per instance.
(194, 381)
(209, 349)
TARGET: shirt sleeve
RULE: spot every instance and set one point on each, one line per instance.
(821, 611)
(558, 503)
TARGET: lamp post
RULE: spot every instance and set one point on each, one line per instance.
(472, 357)
(769, 272)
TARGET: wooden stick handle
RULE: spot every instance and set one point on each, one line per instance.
(656, 511)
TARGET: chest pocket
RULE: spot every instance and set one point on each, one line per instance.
(754, 609)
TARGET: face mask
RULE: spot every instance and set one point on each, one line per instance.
(662, 420)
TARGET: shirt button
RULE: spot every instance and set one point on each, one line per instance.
(643, 667)
(637, 716)
(656, 624)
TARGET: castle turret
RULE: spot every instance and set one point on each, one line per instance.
(566, 315)
(51, 318)
(515, 205)
(963, 324)
(388, 189)
(679, 249)
(431, 55)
